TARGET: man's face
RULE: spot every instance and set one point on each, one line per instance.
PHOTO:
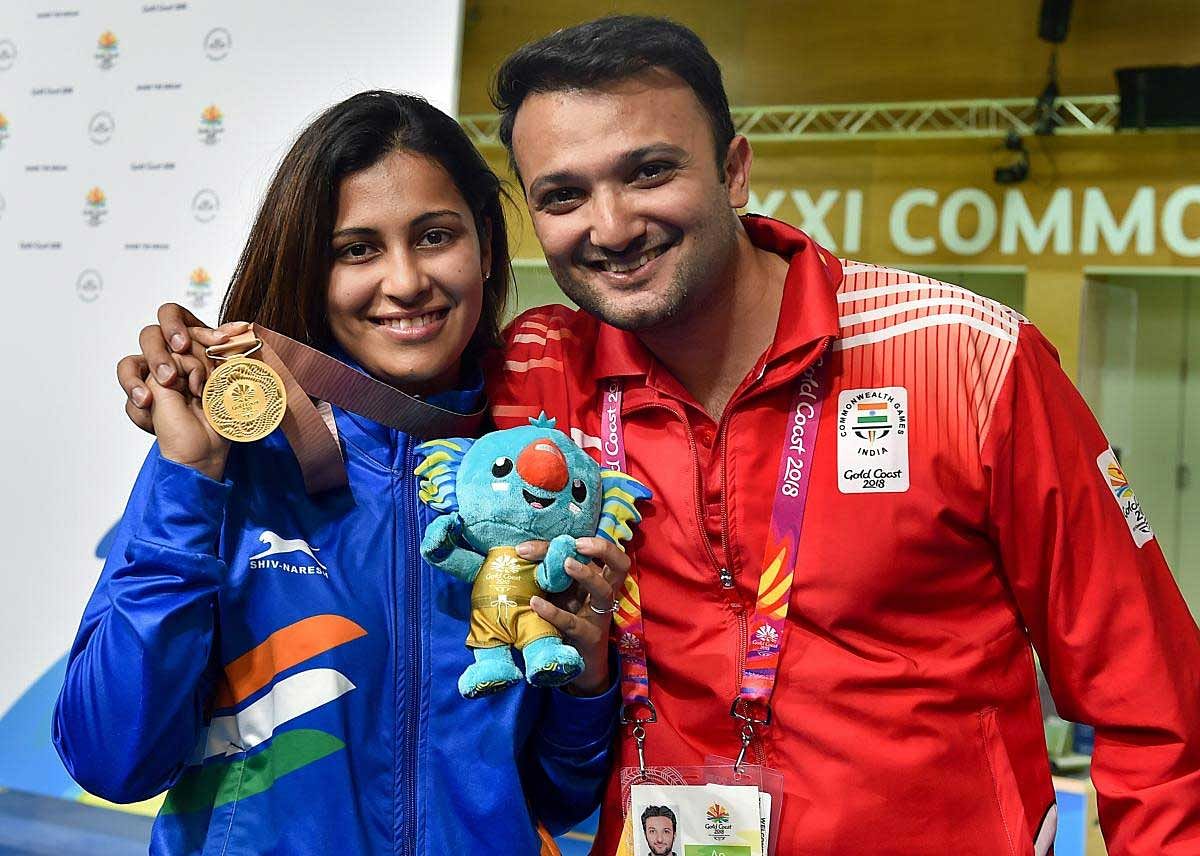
(660, 835)
(627, 200)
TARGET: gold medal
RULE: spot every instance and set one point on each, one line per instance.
(244, 399)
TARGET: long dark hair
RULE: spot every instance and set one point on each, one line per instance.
(282, 275)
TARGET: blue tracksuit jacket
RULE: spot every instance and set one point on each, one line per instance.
(286, 665)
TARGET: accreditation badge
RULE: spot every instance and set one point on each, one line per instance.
(872, 441)
(244, 400)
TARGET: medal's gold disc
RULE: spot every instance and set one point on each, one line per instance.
(244, 400)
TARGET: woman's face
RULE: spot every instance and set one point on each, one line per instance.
(406, 287)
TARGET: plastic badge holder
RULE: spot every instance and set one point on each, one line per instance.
(684, 775)
(768, 781)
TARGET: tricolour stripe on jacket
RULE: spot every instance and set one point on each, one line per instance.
(293, 696)
(287, 647)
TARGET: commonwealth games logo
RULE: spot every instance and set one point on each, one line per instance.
(3, 129)
(8, 54)
(96, 208)
(217, 44)
(211, 124)
(716, 822)
(89, 285)
(199, 286)
(101, 127)
(106, 50)
(1118, 482)
(205, 205)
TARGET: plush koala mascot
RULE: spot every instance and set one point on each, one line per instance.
(520, 484)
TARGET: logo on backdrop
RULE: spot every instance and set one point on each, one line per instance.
(3, 205)
(278, 546)
(101, 127)
(199, 287)
(205, 205)
(89, 285)
(3, 129)
(107, 50)
(8, 54)
(217, 44)
(211, 124)
(97, 207)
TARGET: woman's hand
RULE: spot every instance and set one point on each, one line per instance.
(600, 583)
(178, 334)
(177, 418)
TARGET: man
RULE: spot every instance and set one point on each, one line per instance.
(658, 825)
(951, 503)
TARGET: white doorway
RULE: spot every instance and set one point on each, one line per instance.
(1140, 372)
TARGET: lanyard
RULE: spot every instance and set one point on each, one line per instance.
(766, 626)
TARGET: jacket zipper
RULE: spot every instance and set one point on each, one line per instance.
(743, 628)
(411, 617)
(723, 576)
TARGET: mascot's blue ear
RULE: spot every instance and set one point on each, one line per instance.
(439, 471)
(618, 513)
(542, 420)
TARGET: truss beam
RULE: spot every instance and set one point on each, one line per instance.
(1072, 116)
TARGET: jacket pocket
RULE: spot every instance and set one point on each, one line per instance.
(1004, 786)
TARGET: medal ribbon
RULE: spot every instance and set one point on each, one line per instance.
(306, 372)
(766, 626)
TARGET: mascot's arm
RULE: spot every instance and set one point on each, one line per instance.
(441, 548)
(552, 573)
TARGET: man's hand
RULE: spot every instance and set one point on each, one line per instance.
(184, 435)
(599, 584)
(173, 349)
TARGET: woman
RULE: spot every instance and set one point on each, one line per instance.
(285, 663)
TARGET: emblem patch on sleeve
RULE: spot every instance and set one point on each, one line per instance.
(873, 440)
(1135, 517)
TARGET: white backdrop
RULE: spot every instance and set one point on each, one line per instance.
(176, 184)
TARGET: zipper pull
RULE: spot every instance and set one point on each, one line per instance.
(726, 578)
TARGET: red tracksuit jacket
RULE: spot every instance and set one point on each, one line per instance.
(906, 715)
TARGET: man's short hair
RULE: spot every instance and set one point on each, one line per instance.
(608, 50)
(658, 811)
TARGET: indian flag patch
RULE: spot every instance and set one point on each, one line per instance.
(872, 442)
(1118, 485)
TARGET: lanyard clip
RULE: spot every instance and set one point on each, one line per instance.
(629, 716)
(743, 710)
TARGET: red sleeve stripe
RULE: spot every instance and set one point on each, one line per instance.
(526, 365)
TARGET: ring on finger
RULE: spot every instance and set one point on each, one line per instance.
(612, 607)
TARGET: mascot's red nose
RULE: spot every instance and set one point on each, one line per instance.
(542, 464)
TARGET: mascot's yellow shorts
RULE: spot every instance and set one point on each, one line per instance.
(500, 611)
(505, 623)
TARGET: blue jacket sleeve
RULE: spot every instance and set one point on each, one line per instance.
(142, 668)
(568, 756)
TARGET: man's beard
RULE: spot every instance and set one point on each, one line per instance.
(610, 308)
(693, 286)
